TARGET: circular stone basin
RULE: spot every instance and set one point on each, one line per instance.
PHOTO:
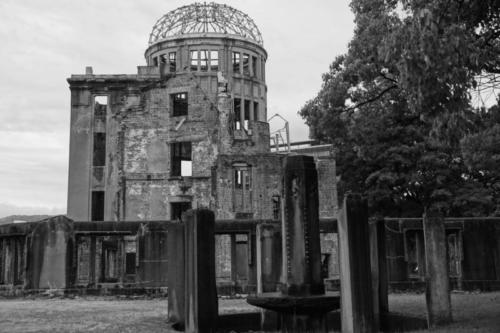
(292, 304)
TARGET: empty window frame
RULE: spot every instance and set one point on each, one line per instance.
(246, 64)
(236, 62)
(179, 104)
(177, 208)
(194, 60)
(246, 116)
(155, 61)
(172, 63)
(242, 193)
(254, 66)
(163, 59)
(203, 60)
(276, 204)
(97, 206)
(242, 178)
(181, 161)
(237, 112)
(214, 61)
(99, 150)
(100, 106)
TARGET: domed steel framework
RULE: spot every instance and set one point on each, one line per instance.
(205, 18)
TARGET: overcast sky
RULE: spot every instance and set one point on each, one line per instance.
(43, 42)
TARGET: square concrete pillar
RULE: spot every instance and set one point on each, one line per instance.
(200, 296)
(355, 268)
(175, 275)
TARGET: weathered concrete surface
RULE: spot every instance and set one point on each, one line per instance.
(437, 292)
(355, 268)
(49, 253)
(152, 256)
(300, 228)
(200, 298)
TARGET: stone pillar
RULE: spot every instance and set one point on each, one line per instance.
(200, 298)
(355, 268)
(300, 228)
(436, 273)
(175, 275)
(268, 252)
(379, 272)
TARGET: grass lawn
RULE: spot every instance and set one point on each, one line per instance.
(472, 313)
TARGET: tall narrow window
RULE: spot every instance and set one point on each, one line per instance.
(155, 61)
(177, 208)
(99, 156)
(204, 60)
(194, 60)
(172, 64)
(179, 104)
(97, 206)
(254, 66)
(276, 202)
(246, 64)
(256, 111)
(236, 62)
(242, 195)
(237, 110)
(163, 59)
(246, 120)
(181, 161)
(214, 61)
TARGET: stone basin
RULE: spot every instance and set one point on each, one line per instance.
(280, 303)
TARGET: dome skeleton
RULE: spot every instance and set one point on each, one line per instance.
(205, 18)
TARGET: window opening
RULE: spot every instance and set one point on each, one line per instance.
(181, 159)
(155, 61)
(99, 149)
(130, 254)
(242, 188)
(246, 64)
(276, 202)
(256, 111)
(246, 118)
(204, 60)
(177, 208)
(236, 62)
(194, 60)
(163, 59)
(214, 61)
(172, 64)
(179, 104)
(254, 66)
(97, 206)
(237, 112)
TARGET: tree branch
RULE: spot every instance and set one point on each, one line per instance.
(373, 99)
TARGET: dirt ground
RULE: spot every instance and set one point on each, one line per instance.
(473, 312)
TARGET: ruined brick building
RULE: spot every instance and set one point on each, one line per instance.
(188, 130)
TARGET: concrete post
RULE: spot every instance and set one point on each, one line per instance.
(437, 281)
(379, 272)
(355, 269)
(200, 298)
(300, 228)
(175, 275)
(48, 256)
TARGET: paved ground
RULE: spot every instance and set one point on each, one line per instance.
(472, 313)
